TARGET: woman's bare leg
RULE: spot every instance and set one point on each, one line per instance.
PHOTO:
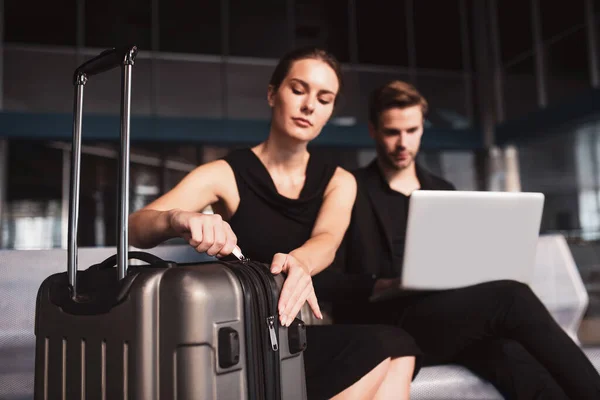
(368, 385)
(396, 384)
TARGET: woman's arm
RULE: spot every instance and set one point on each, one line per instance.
(333, 220)
(318, 252)
(178, 212)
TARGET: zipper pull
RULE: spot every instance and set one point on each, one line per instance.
(271, 324)
(238, 253)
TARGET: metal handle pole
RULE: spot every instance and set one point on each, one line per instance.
(124, 171)
(75, 185)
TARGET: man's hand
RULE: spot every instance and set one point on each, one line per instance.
(297, 288)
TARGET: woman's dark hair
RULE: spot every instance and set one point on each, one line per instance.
(303, 53)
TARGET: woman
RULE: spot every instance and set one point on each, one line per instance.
(290, 209)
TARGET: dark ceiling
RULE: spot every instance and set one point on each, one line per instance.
(261, 28)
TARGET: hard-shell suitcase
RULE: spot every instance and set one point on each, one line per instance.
(160, 330)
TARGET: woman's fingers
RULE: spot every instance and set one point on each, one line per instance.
(314, 305)
(206, 231)
(279, 260)
(230, 241)
(297, 305)
(300, 281)
(296, 290)
(219, 239)
(208, 234)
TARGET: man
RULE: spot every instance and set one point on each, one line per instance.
(500, 330)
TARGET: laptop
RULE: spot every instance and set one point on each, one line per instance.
(461, 238)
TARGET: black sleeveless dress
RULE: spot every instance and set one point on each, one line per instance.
(266, 223)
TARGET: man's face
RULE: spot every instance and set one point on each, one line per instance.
(398, 136)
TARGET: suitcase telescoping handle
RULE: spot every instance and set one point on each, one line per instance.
(109, 59)
(105, 61)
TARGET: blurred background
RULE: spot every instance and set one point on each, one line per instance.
(513, 87)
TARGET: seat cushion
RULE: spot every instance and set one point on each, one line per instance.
(449, 382)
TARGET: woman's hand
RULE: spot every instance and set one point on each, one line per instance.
(205, 232)
(297, 288)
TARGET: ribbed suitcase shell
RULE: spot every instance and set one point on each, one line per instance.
(161, 342)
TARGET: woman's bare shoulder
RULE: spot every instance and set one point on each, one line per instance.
(342, 180)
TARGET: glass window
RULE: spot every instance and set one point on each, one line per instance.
(437, 34)
(323, 24)
(514, 24)
(45, 22)
(246, 91)
(189, 89)
(115, 23)
(565, 38)
(596, 7)
(557, 18)
(447, 98)
(190, 27)
(553, 165)
(520, 88)
(336, 28)
(28, 87)
(567, 65)
(368, 81)
(32, 218)
(381, 31)
(258, 28)
(459, 168)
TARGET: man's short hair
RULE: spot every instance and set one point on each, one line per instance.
(394, 94)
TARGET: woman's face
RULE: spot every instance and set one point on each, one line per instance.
(304, 101)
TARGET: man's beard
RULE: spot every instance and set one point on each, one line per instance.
(388, 160)
(405, 164)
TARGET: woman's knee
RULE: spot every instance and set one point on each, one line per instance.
(368, 385)
(397, 382)
(402, 365)
(393, 337)
(375, 377)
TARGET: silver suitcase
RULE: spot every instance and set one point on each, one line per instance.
(160, 330)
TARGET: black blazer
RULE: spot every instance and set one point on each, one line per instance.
(365, 253)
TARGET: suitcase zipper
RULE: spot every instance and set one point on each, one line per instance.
(272, 362)
(271, 324)
(254, 343)
(262, 283)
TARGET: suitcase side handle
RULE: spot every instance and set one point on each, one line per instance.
(106, 61)
(125, 57)
(149, 258)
